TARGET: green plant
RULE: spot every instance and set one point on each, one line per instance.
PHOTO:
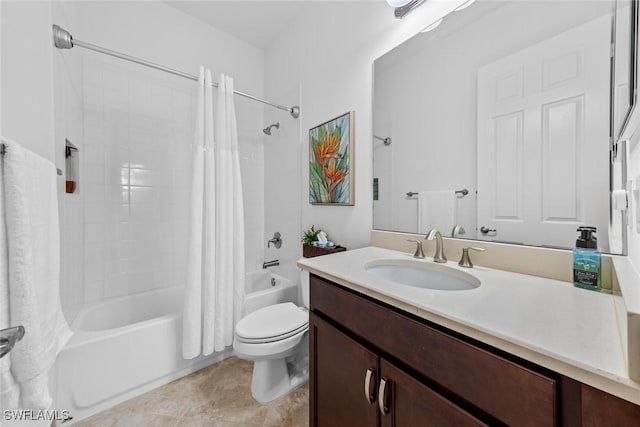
(310, 236)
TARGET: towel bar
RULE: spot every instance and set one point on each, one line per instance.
(3, 150)
(462, 192)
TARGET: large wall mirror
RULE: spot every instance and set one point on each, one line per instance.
(496, 124)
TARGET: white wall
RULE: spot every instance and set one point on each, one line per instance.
(26, 88)
(127, 225)
(328, 51)
(27, 76)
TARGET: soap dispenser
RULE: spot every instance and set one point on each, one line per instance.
(587, 260)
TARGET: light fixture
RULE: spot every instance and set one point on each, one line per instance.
(432, 26)
(463, 5)
(403, 7)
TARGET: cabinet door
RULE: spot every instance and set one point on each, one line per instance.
(602, 409)
(338, 372)
(409, 403)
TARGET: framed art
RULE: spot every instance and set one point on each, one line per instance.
(331, 159)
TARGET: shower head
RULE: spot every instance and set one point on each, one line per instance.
(267, 130)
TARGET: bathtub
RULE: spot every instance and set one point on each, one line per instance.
(263, 288)
(126, 346)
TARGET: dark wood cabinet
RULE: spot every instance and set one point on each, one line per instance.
(353, 386)
(602, 409)
(409, 403)
(338, 369)
(375, 365)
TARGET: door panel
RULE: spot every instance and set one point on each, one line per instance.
(543, 139)
(561, 136)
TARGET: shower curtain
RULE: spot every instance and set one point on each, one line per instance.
(214, 293)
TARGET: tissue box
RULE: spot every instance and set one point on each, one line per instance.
(309, 251)
(326, 244)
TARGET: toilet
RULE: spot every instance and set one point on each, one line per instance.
(276, 339)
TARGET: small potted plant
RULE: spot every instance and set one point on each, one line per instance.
(310, 236)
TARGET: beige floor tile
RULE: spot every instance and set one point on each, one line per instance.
(291, 410)
(129, 420)
(217, 396)
(191, 422)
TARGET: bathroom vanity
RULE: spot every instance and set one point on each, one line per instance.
(383, 356)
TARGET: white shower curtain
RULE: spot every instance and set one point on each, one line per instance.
(215, 278)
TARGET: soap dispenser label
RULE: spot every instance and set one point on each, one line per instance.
(585, 277)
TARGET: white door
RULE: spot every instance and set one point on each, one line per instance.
(543, 139)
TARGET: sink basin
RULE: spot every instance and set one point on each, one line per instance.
(422, 275)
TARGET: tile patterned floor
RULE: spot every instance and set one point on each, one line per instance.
(217, 396)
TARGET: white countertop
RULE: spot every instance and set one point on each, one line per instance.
(566, 329)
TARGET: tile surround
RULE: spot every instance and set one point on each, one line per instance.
(125, 228)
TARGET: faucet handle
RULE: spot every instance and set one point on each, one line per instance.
(419, 251)
(276, 240)
(465, 261)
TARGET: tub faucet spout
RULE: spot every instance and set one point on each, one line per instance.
(271, 263)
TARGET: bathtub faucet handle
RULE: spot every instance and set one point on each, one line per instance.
(276, 240)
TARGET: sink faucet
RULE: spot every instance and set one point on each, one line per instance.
(271, 263)
(439, 255)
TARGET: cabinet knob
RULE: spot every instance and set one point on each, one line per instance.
(368, 393)
(382, 397)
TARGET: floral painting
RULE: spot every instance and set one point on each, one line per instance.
(331, 162)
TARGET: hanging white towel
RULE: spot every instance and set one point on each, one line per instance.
(437, 209)
(30, 272)
(9, 390)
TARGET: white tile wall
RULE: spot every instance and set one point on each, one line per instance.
(282, 185)
(132, 125)
(133, 192)
(126, 226)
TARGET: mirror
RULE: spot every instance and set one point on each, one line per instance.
(509, 100)
(624, 82)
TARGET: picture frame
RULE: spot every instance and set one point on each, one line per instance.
(331, 162)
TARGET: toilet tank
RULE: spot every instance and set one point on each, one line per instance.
(304, 288)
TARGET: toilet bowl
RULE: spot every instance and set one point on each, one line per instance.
(275, 338)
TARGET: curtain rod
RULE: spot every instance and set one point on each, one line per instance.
(63, 40)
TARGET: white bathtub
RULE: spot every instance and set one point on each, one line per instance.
(128, 345)
(263, 288)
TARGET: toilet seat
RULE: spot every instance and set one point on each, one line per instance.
(273, 323)
(302, 328)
